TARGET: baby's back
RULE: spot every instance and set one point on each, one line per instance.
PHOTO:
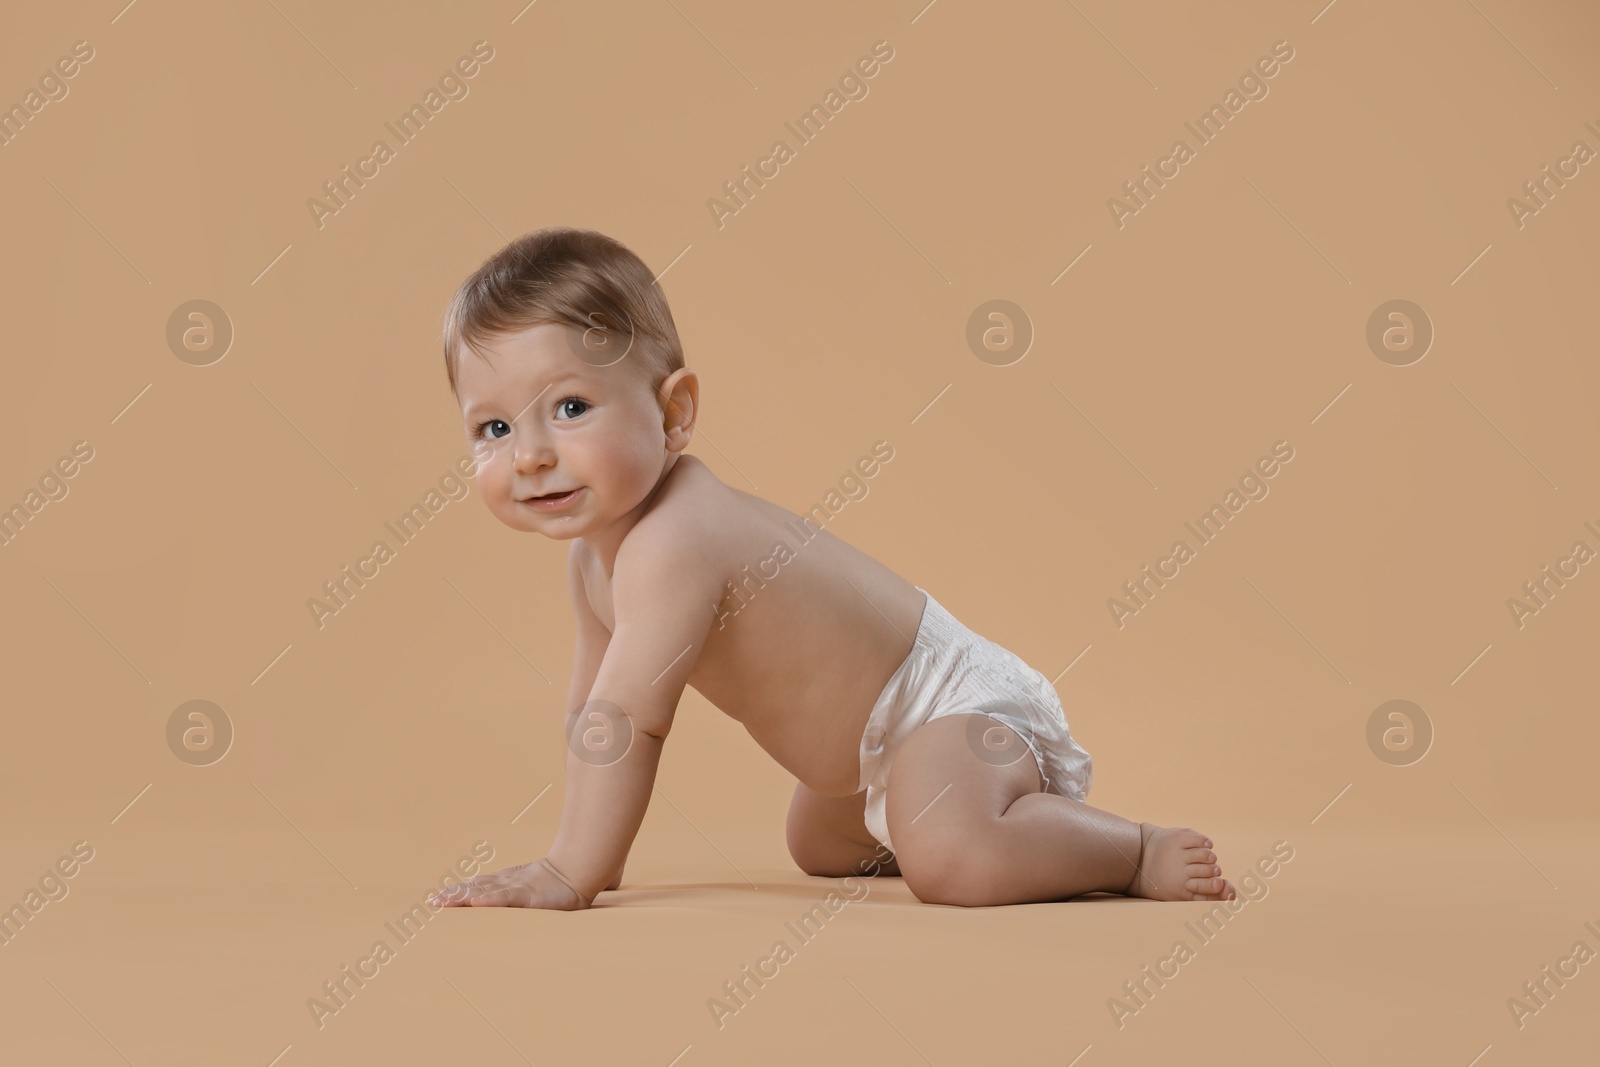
(809, 630)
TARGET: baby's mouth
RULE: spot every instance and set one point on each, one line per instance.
(553, 499)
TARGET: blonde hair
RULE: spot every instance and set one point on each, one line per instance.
(564, 275)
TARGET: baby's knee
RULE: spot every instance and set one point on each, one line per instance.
(939, 870)
(807, 856)
(824, 854)
(811, 851)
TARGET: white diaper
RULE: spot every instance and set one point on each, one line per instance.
(952, 671)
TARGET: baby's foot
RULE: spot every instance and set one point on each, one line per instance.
(1176, 863)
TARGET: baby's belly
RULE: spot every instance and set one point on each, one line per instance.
(811, 726)
(800, 658)
(820, 747)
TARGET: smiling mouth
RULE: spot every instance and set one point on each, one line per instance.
(552, 498)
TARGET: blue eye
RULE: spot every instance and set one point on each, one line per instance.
(571, 400)
(494, 422)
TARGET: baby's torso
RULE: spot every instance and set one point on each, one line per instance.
(807, 634)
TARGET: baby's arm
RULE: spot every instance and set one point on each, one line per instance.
(663, 597)
(589, 649)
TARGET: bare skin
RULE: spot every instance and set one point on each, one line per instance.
(679, 579)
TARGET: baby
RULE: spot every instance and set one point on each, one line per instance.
(920, 748)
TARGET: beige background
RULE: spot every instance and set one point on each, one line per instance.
(831, 312)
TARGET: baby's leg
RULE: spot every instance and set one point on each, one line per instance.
(979, 831)
(828, 836)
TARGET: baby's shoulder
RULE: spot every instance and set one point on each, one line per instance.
(683, 525)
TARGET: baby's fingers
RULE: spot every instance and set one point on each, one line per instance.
(455, 896)
(503, 897)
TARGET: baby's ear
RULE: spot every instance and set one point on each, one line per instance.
(682, 397)
(680, 404)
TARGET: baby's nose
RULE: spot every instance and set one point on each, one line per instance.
(531, 454)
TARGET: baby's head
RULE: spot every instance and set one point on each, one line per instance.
(562, 353)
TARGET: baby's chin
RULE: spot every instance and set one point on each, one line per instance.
(555, 527)
(561, 530)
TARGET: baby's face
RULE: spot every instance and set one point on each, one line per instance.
(553, 423)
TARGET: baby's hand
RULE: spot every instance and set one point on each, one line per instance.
(527, 885)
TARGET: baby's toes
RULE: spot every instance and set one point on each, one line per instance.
(1210, 887)
(1225, 893)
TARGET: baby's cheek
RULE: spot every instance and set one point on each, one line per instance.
(492, 483)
